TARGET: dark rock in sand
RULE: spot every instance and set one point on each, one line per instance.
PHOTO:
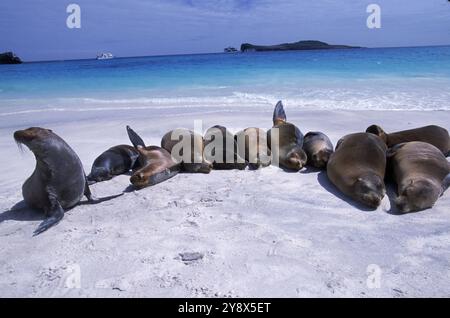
(191, 257)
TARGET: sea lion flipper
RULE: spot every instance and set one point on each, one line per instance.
(135, 163)
(164, 175)
(278, 113)
(134, 138)
(56, 214)
(339, 143)
(392, 151)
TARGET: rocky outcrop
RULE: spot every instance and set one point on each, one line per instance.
(9, 58)
(301, 45)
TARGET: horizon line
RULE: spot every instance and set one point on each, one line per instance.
(206, 53)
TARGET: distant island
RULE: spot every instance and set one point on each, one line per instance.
(9, 58)
(300, 45)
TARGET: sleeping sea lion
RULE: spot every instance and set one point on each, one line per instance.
(223, 152)
(421, 172)
(288, 147)
(252, 146)
(318, 149)
(357, 168)
(186, 147)
(115, 161)
(435, 135)
(155, 164)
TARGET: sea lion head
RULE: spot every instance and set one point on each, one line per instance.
(99, 174)
(370, 190)
(418, 195)
(320, 159)
(296, 159)
(141, 178)
(378, 131)
(35, 138)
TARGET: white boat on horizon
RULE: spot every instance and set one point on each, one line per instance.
(105, 56)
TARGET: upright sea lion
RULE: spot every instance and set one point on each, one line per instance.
(115, 161)
(223, 154)
(252, 146)
(435, 135)
(421, 172)
(187, 147)
(357, 168)
(58, 181)
(155, 164)
(318, 149)
(288, 148)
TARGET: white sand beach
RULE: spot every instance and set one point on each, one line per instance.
(265, 233)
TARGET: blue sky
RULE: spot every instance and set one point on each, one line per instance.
(36, 29)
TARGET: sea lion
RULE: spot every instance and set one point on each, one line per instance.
(288, 148)
(223, 152)
(435, 135)
(252, 146)
(192, 158)
(115, 161)
(318, 148)
(357, 168)
(421, 172)
(155, 164)
(58, 182)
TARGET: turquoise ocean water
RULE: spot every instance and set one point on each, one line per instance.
(357, 79)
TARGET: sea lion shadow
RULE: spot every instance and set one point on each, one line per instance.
(287, 170)
(391, 193)
(323, 180)
(310, 169)
(21, 212)
(130, 188)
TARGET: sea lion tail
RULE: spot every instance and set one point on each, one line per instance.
(95, 200)
(134, 138)
(278, 114)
